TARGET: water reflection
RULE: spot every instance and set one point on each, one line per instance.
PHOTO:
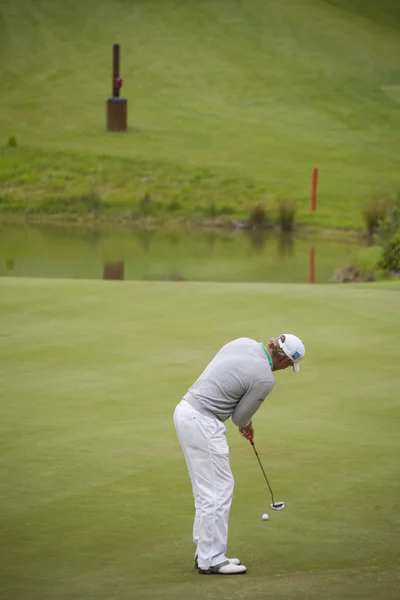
(118, 253)
(144, 237)
(10, 265)
(286, 244)
(258, 239)
(114, 271)
(173, 237)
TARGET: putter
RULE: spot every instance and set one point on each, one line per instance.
(274, 505)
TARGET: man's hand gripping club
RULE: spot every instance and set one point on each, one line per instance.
(248, 432)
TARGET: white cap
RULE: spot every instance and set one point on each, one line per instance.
(293, 347)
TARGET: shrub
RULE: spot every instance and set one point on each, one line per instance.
(390, 258)
(91, 201)
(12, 140)
(258, 218)
(174, 206)
(389, 238)
(146, 205)
(286, 215)
(226, 209)
(211, 210)
(352, 274)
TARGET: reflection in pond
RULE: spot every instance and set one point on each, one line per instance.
(121, 253)
(286, 245)
(258, 239)
(144, 238)
(10, 265)
(114, 271)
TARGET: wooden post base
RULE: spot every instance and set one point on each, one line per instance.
(117, 109)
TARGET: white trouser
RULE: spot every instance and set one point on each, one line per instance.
(206, 451)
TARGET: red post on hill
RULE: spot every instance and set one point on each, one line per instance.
(314, 190)
(116, 106)
(116, 79)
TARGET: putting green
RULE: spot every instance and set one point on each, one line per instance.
(95, 498)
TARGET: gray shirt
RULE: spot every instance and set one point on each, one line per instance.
(235, 383)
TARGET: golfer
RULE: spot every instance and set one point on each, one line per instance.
(234, 384)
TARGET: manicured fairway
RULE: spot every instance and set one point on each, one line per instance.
(95, 500)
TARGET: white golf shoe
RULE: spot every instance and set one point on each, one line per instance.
(225, 568)
(234, 561)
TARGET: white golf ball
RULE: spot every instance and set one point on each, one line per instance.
(265, 517)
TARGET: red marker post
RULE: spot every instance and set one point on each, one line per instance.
(314, 190)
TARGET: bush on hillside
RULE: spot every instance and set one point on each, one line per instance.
(390, 258)
(389, 238)
(12, 140)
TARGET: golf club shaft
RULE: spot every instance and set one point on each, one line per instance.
(262, 469)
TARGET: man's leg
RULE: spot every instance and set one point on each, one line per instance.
(215, 483)
(206, 451)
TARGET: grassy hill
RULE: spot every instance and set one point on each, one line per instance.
(230, 103)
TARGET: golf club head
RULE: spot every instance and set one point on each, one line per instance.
(278, 505)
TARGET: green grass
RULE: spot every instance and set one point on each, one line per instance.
(96, 502)
(229, 104)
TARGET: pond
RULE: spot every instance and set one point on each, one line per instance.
(121, 253)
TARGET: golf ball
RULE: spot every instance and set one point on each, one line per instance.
(265, 517)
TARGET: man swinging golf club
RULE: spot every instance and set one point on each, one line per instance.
(234, 384)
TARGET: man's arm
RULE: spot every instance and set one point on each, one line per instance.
(250, 403)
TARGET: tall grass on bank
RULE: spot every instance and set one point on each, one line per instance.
(286, 215)
(390, 224)
(258, 218)
(373, 213)
(49, 181)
